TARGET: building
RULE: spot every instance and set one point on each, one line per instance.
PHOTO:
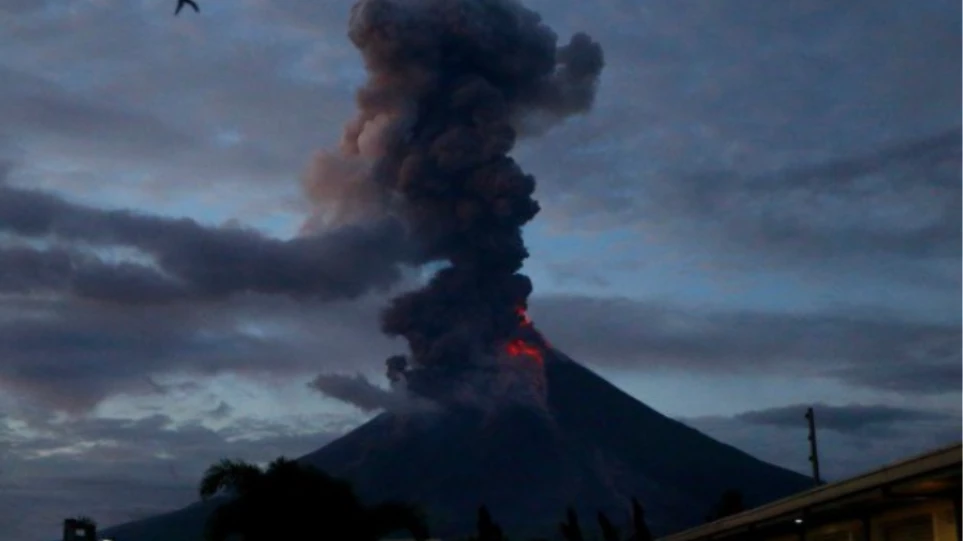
(914, 500)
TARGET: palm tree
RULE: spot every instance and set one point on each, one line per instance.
(229, 475)
(288, 500)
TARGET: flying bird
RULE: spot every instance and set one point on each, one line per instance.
(182, 3)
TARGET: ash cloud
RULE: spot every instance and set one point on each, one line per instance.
(451, 86)
(358, 391)
(25, 269)
(187, 259)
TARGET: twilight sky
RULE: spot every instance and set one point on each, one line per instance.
(761, 213)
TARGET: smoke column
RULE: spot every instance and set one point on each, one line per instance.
(451, 85)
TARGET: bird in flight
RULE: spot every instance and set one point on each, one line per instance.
(182, 3)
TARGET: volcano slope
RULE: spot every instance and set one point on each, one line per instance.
(593, 447)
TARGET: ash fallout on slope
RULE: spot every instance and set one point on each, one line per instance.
(451, 85)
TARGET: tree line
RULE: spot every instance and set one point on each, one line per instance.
(290, 500)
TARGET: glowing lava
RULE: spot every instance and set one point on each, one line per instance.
(518, 346)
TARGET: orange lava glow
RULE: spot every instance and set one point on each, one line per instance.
(519, 347)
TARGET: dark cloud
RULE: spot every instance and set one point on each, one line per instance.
(29, 270)
(189, 260)
(854, 418)
(861, 348)
(69, 355)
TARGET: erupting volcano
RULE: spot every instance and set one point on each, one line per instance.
(452, 84)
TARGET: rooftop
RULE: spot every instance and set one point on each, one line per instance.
(935, 474)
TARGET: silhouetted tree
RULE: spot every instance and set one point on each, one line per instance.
(729, 503)
(488, 530)
(609, 531)
(289, 500)
(640, 529)
(569, 527)
(230, 475)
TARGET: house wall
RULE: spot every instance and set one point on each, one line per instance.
(940, 513)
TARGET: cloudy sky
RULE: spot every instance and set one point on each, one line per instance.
(761, 213)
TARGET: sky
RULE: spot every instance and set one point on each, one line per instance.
(760, 214)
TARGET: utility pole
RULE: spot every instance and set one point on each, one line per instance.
(813, 451)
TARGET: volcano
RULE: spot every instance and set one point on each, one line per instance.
(593, 447)
(452, 85)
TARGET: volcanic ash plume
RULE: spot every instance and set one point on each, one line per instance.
(366, 396)
(451, 84)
